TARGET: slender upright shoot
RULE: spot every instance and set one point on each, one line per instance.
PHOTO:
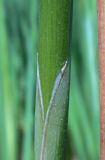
(53, 68)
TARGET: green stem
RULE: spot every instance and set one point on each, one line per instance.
(53, 42)
(53, 68)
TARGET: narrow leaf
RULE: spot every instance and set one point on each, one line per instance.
(54, 133)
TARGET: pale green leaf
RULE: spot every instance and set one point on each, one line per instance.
(50, 142)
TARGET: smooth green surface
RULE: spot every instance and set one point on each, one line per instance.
(53, 78)
(50, 132)
(55, 127)
(39, 123)
(53, 48)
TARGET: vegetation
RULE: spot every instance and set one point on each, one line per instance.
(53, 65)
(38, 35)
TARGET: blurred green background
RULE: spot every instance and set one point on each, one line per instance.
(18, 49)
(84, 113)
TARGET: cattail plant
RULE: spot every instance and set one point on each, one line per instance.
(53, 79)
(35, 45)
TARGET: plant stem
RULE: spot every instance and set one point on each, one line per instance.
(101, 11)
(53, 68)
(53, 42)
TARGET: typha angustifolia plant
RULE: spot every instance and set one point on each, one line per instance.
(53, 79)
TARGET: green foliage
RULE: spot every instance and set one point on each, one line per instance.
(50, 136)
(17, 78)
(53, 42)
(51, 110)
(84, 112)
(21, 22)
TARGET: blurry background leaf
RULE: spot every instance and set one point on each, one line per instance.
(18, 35)
(84, 97)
